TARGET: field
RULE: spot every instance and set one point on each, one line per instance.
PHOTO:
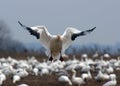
(52, 79)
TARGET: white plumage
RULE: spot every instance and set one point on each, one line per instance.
(2, 77)
(101, 76)
(21, 72)
(112, 82)
(35, 71)
(86, 75)
(23, 85)
(77, 80)
(55, 44)
(64, 79)
(16, 78)
(44, 71)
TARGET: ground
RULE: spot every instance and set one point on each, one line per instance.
(52, 80)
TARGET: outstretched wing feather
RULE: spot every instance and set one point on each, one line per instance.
(31, 31)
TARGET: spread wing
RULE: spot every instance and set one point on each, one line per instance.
(71, 34)
(40, 32)
(31, 30)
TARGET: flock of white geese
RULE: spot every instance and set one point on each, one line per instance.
(103, 69)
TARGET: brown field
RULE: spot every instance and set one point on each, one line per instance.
(50, 80)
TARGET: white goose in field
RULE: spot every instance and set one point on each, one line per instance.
(64, 79)
(77, 80)
(16, 78)
(86, 76)
(112, 82)
(23, 85)
(55, 44)
(101, 76)
(35, 71)
(2, 78)
(21, 72)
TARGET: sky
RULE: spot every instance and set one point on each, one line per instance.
(57, 15)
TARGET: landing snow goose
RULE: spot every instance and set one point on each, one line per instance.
(55, 44)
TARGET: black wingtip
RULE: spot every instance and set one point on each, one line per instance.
(20, 23)
(93, 28)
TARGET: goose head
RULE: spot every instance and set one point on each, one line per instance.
(73, 71)
(58, 38)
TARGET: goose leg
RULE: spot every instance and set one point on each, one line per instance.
(61, 58)
(51, 58)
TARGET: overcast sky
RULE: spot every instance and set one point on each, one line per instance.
(57, 15)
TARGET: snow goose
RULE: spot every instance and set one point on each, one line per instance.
(77, 80)
(101, 76)
(86, 76)
(16, 78)
(21, 72)
(44, 71)
(35, 71)
(85, 68)
(84, 57)
(64, 79)
(2, 77)
(55, 44)
(106, 55)
(109, 69)
(23, 85)
(112, 82)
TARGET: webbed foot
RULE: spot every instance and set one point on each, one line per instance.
(51, 58)
(61, 59)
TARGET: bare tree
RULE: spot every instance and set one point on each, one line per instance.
(6, 41)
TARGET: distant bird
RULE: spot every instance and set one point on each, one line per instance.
(106, 55)
(2, 78)
(64, 79)
(44, 71)
(23, 85)
(16, 78)
(112, 82)
(35, 71)
(86, 76)
(21, 72)
(101, 76)
(55, 44)
(77, 80)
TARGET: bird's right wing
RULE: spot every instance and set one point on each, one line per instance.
(40, 32)
(71, 34)
(67, 37)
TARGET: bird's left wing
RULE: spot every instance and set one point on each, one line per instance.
(32, 31)
(71, 34)
(40, 32)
